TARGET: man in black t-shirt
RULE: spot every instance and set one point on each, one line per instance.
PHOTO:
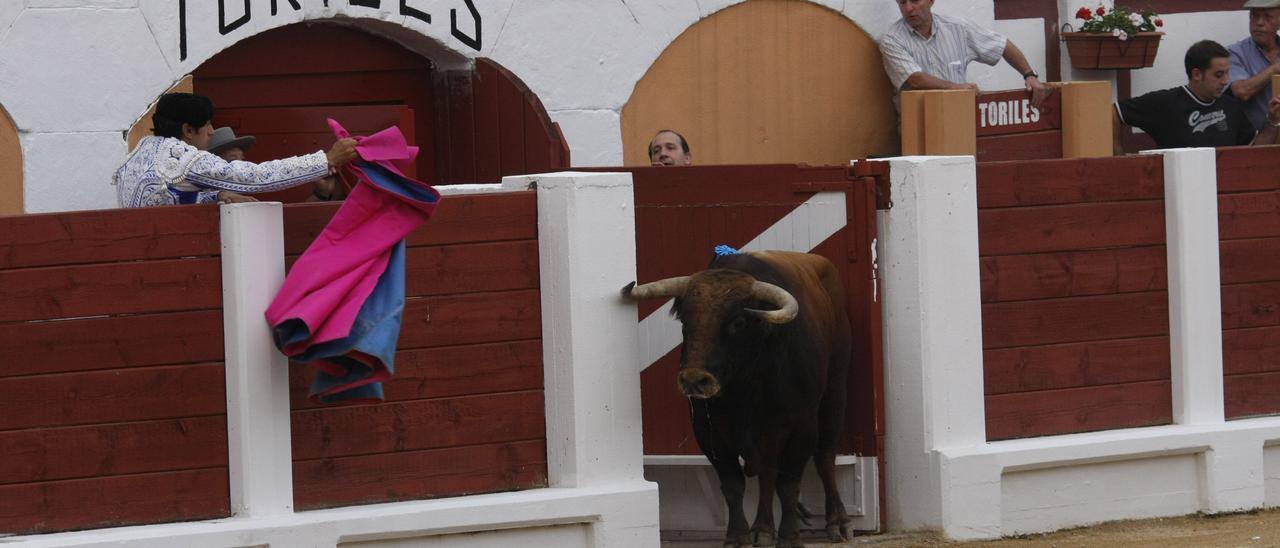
(1198, 114)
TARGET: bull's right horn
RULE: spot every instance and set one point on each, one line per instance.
(670, 287)
(779, 297)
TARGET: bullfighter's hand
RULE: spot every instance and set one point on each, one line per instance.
(343, 151)
(227, 197)
(1039, 91)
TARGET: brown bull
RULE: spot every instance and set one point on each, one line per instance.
(764, 363)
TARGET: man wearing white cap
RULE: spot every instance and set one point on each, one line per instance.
(1255, 59)
(224, 143)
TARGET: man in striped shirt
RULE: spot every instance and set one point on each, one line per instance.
(924, 50)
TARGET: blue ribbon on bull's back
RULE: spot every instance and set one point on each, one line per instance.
(341, 307)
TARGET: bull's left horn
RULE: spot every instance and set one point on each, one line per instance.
(670, 287)
(787, 305)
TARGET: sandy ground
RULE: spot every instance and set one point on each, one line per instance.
(1252, 530)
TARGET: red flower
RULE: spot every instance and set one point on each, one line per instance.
(1159, 22)
(1101, 11)
(1084, 13)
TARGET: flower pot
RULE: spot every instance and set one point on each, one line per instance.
(1100, 50)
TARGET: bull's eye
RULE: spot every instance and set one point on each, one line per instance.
(737, 325)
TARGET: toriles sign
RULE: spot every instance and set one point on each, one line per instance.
(1004, 112)
(233, 14)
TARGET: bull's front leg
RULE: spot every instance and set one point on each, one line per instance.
(764, 461)
(732, 486)
(716, 443)
(790, 470)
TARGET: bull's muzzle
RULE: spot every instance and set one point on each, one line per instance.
(697, 383)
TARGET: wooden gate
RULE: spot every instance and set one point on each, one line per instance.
(683, 213)
(474, 125)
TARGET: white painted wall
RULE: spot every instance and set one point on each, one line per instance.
(942, 473)
(596, 497)
(1182, 30)
(78, 73)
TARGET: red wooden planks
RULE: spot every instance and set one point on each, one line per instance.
(108, 236)
(1244, 169)
(101, 397)
(1071, 274)
(1059, 366)
(1038, 145)
(115, 500)
(1251, 395)
(461, 129)
(1087, 409)
(1251, 305)
(458, 219)
(1088, 180)
(418, 425)
(119, 288)
(471, 319)
(1249, 215)
(419, 474)
(1070, 227)
(95, 344)
(1253, 350)
(488, 126)
(1052, 321)
(1252, 260)
(48, 454)
(449, 371)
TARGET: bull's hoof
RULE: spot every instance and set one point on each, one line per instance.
(838, 533)
(803, 513)
(734, 541)
(764, 538)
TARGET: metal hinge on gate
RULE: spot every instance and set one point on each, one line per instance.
(878, 171)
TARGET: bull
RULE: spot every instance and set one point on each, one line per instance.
(764, 365)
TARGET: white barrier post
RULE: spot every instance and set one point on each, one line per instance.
(1233, 472)
(928, 251)
(586, 245)
(260, 458)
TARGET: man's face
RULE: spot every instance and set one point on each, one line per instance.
(198, 137)
(1263, 24)
(916, 13)
(232, 154)
(1213, 81)
(665, 149)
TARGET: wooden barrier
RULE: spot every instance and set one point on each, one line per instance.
(112, 408)
(464, 412)
(1249, 232)
(1074, 122)
(1074, 292)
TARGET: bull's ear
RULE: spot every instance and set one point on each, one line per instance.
(675, 306)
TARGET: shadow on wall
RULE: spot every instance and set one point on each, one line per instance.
(743, 89)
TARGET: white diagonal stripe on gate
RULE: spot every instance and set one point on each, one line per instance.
(802, 229)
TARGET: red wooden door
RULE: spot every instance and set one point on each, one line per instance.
(290, 131)
(683, 213)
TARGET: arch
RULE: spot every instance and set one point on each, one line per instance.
(475, 120)
(767, 81)
(11, 197)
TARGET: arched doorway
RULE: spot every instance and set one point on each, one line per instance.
(11, 200)
(474, 124)
(767, 81)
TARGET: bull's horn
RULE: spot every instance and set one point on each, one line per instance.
(670, 287)
(787, 305)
